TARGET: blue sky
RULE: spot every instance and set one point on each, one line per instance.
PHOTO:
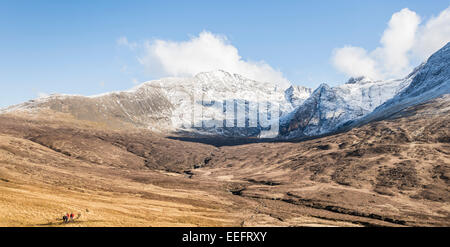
(72, 46)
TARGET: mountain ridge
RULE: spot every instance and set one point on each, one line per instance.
(431, 80)
(167, 105)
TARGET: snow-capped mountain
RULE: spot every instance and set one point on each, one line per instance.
(226, 104)
(218, 92)
(429, 81)
(197, 104)
(361, 101)
(296, 95)
(329, 107)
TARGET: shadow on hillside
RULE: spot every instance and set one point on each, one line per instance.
(229, 141)
(220, 141)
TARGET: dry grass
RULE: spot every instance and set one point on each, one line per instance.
(40, 206)
(389, 173)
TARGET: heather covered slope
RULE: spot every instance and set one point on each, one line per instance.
(392, 173)
(50, 166)
(397, 169)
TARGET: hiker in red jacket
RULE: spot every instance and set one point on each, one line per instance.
(71, 216)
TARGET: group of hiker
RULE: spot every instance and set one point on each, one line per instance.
(68, 217)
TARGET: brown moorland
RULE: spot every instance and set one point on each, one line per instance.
(393, 172)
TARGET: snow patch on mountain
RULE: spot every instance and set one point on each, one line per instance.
(222, 103)
(329, 107)
(430, 80)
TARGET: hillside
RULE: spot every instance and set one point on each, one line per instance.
(392, 173)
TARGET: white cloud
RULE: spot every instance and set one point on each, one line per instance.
(205, 52)
(433, 35)
(123, 41)
(404, 40)
(397, 41)
(354, 61)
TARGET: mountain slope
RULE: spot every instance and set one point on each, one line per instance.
(360, 102)
(431, 81)
(167, 104)
(221, 103)
(329, 107)
(393, 172)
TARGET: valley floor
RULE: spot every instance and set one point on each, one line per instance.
(389, 173)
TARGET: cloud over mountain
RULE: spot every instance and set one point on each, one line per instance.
(205, 52)
(405, 40)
